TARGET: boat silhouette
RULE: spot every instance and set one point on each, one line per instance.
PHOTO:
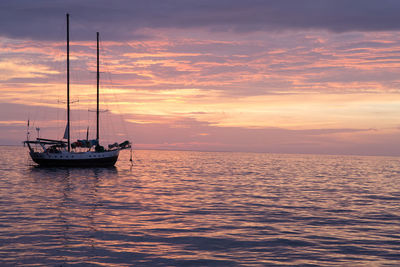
(82, 153)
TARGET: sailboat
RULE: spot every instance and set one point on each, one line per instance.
(82, 153)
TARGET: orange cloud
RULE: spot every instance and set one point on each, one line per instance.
(301, 81)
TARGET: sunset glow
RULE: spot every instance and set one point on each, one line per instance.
(238, 87)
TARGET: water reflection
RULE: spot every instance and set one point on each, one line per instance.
(191, 208)
(55, 172)
(68, 207)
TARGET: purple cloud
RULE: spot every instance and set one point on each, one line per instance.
(200, 135)
(120, 19)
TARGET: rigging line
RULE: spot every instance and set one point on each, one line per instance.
(111, 123)
(58, 123)
(79, 121)
(88, 121)
(58, 65)
(122, 119)
(39, 112)
(108, 77)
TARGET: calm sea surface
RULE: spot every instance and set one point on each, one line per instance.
(201, 209)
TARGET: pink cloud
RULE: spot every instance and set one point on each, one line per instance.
(297, 92)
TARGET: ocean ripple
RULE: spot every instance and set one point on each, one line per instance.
(174, 208)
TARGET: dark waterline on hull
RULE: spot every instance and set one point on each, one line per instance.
(79, 163)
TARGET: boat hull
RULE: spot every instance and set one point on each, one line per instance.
(77, 160)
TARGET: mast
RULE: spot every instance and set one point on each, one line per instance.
(68, 110)
(98, 82)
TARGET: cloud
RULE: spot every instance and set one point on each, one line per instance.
(22, 69)
(186, 133)
(197, 135)
(123, 19)
(211, 75)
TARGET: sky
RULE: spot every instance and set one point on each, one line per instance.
(288, 76)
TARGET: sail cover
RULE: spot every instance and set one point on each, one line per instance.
(66, 132)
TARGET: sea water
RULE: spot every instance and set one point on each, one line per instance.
(179, 208)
